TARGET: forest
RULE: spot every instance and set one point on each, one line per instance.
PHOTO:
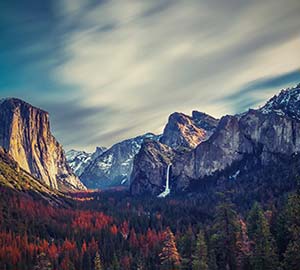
(112, 230)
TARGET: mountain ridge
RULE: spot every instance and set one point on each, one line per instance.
(260, 133)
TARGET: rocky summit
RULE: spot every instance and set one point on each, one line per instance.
(25, 134)
(183, 131)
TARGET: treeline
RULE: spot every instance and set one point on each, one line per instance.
(115, 231)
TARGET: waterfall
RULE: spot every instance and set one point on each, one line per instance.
(167, 187)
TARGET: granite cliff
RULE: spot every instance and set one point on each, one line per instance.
(25, 134)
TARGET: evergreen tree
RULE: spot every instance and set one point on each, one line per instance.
(243, 245)
(169, 256)
(115, 263)
(264, 255)
(86, 261)
(225, 228)
(200, 255)
(97, 262)
(212, 260)
(292, 253)
(185, 244)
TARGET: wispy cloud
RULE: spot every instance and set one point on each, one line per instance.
(257, 91)
(138, 60)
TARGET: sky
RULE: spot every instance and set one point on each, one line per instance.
(108, 70)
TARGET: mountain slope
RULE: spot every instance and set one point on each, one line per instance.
(25, 134)
(114, 166)
(14, 178)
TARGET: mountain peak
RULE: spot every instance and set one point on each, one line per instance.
(187, 131)
(204, 120)
(13, 102)
(286, 103)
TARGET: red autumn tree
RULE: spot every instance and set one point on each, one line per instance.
(114, 229)
(169, 256)
(133, 239)
(124, 229)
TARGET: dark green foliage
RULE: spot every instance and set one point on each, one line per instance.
(292, 254)
(264, 255)
(200, 254)
(224, 236)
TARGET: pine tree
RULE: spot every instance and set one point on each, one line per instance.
(264, 255)
(185, 244)
(200, 255)
(115, 263)
(292, 253)
(169, 256)
(243, 247)
(212, 260)
(225, 229)
(97, 262)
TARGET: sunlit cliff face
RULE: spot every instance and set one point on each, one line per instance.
(26, 136)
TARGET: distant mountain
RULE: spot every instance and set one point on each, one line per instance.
(265, 136)
(25, 134)
(114, 166)
(79, 160)
(183, 131)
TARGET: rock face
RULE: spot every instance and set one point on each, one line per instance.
(183, 131)
(205, 121)
(266, 135)
(114, 166)
(150, 168)
(79, 160)
(25, 135)
(181, 134)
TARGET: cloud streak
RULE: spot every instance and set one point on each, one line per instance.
(135, 61)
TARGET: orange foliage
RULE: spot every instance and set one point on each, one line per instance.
(114, 229)
(124, 229)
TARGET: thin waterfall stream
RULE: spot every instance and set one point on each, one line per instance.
(167, 187)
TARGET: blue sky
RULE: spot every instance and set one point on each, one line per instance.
(110, 70)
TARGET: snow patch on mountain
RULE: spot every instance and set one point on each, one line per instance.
(286, 103)
(114, 166)
(79, 160)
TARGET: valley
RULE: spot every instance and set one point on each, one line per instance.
(220, 193)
